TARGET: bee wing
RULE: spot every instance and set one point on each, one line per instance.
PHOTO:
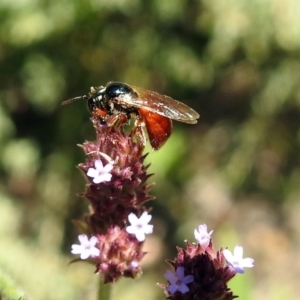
(162, 105)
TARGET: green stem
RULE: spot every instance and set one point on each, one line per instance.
(104, 290)
(8, 288)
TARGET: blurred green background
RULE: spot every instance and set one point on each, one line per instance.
(236, 62)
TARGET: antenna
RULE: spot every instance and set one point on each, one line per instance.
(73, 99)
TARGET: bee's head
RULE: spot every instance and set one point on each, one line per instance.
(96, 99)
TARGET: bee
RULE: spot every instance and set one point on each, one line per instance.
(119, 101)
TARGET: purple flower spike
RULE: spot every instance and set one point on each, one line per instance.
(116, 192)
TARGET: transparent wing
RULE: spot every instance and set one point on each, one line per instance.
(161, 105)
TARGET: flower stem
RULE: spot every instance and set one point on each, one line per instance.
(104, 290)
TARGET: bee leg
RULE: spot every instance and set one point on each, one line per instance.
(139, 132)
(111, 121)
(119, 120)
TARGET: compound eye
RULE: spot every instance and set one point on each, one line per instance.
(91, 103)
(115, 89)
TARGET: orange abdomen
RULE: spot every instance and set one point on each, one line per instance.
(159, 128)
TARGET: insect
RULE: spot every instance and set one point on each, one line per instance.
(118, 101)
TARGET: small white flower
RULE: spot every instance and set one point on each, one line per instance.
(202, 236)
(178, 282)
(134, 264)
(87, 247)
(100, 173)
(236, 259)
(139, 226)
